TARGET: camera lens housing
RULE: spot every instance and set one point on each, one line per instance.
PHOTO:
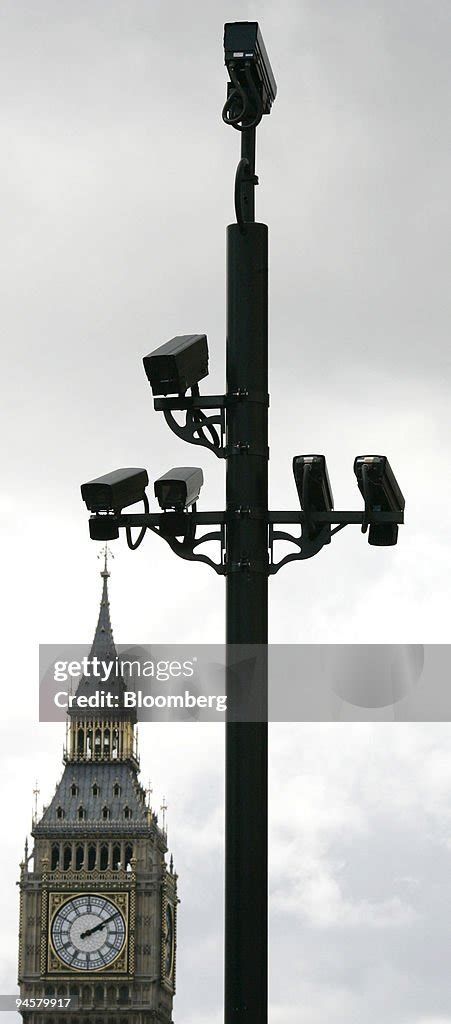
(319, 497)
(243, 44)
(178, 364)
(179, 488)
(116, 490)
(382, 493)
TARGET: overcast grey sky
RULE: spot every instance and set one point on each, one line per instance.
(116, 185)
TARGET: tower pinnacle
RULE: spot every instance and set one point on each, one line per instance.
(105, 553)
(100, 731)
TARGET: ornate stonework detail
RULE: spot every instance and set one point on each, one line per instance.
(21, 922)
(44, 911)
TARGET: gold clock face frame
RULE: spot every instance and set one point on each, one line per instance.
(88, 933)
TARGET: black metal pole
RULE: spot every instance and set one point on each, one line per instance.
(246, 911)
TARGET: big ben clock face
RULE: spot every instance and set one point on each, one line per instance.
(88, 932)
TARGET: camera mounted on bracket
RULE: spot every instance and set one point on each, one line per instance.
(252, 88)
(175, 368)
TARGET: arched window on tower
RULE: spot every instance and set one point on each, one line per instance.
(115, 744)
(89, 743)
(106, 813)
(103, 857)
(92, 856)
(95, 789)
(80, 740)
(127, 812)
(67, 857)
(55, 856)
(116, 789)
(59, 813)
(98, 994)
(116, 857)
(79, 857)
(106, 742)
(98, 742)
(123, 995)
(128, 854)
(81, 813)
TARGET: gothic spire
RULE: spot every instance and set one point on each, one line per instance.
(103, 644)
(101, 725)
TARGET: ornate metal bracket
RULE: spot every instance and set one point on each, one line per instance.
(197, 425)
(187, 545)
(179, 530)
(309, 544)
(316, 531)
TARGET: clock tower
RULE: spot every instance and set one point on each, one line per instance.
(97, 900)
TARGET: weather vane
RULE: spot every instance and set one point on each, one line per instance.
(105, 553)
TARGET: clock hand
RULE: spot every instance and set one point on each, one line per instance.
(98, 927)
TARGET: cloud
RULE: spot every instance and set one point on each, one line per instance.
(433, 1020)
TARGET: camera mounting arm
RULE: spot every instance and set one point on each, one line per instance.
(178, 529)
(197, 424)
(251, 92)
(317, 532)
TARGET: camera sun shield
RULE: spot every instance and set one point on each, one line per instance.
(178, 364)
(116, 490)
(243, 43)
(319, 497)
(382, 493)
(179, 488)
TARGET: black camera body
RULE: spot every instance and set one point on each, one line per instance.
(382, 493)
(243, 43)
(314, 490)
(178, 364)
(114, 491)
(179, 488)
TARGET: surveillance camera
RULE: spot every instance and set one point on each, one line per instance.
(115, 491)
(178, 364)
(243, 45)
(380, 489)
(313, 484)
(179, 488)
